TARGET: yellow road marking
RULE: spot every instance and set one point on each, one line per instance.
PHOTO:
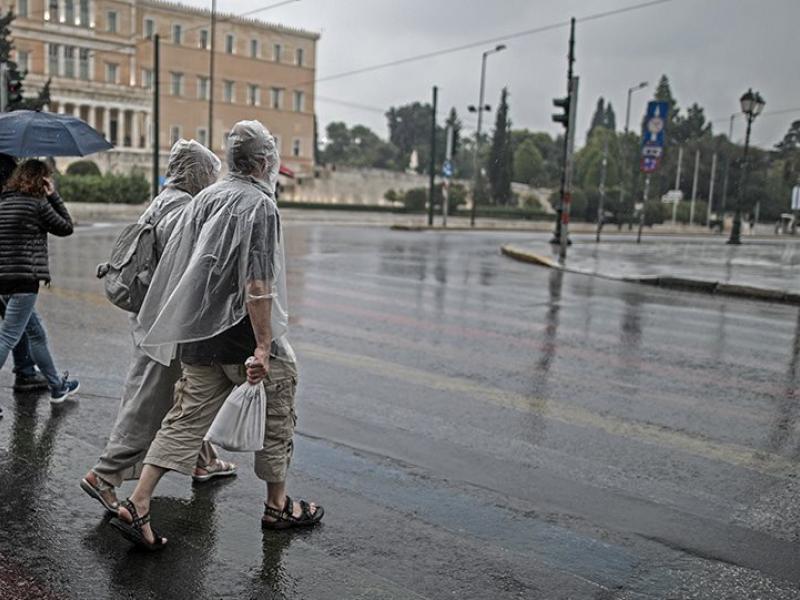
(734, 454)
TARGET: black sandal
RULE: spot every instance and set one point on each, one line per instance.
(285, 519)
(133, 531)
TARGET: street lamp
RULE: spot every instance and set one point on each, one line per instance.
(479, 109)
(635, 88)
(752, 104)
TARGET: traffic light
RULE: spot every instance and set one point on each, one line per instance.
(562, 103)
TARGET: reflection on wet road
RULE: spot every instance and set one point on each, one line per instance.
(476, 427)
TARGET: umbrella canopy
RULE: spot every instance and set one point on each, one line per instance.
(25, 133)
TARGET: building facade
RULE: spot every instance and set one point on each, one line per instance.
(98, 55)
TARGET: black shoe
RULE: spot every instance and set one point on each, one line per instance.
(30, 383)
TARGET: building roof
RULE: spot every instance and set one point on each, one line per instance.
(222, 16)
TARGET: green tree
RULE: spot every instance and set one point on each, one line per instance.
(454, 122)
(598, 118)
(528, 163)
(358, 146)
(15, 78)
(610, 121)
(500, 166)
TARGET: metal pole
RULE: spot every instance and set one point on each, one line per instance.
(677, 185)
(212, 44)
(478, 143)
(570, 127)
(600, 214)
(694, 185)
(736, 230)
(644, 203)
(156, 137)
(432, 168)
(567, 196)
(711, 188)
(628, 109)
(3, 86)
(446, 185)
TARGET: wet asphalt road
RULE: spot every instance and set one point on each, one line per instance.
(475, 427)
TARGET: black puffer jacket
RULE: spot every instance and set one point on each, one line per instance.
(25, 222)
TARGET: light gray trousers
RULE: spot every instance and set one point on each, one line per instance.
(146, 399)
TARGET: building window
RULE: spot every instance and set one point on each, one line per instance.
(52, 12)
(83, 64)
(202, 88)
(296, 147)
(230, 43)
(52, 60)
(83, 14)
(112, 73)
(299, 101)
(204, 39)
(147, 79)
(69, 12)
(254, 49)
(202, 136)
(23, 60)
(253, 95)
(276, 98)
(300, 57)
(229, 92)
(177, 34)
(176, 84)
(277, 50)
(22, 8)
(174, 134)
(111, 21)
(69, 61)
(149, 29)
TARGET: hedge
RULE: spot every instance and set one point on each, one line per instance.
(104, 189)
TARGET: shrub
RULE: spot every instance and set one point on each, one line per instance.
(416, 199)
(83, 167)
(105, 189)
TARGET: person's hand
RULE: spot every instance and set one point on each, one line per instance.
(257, 365)
(49, 187)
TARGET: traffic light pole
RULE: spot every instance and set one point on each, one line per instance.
(565, 120)
(566, 198)
(432, 170)
(156, 113)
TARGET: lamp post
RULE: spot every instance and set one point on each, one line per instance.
(635, 88)
(752, 104)
(479, 109)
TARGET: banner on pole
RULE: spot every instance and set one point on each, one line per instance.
(653, 135)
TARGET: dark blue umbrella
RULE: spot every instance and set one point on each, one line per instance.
(26, 133)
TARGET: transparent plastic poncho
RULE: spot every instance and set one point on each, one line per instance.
(227, 243)
(191, 168)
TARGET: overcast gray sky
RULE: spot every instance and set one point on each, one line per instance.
(711, 50)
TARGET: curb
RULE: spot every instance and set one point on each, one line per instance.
(685, 284)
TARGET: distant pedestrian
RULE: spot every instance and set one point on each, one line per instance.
(149, 386)
(26, 377)
(220, 290)
(30, 208)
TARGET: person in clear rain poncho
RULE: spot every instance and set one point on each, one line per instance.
(218, 297)
(148, 391)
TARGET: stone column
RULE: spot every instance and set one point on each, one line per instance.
(148, 126)
(76, 112)
(135, 135)
(62, 107)
(107, 123)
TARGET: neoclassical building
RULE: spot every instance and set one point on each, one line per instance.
(99, 56)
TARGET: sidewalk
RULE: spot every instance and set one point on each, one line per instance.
(759, 269)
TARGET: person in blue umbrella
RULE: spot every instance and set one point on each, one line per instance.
(30, 209)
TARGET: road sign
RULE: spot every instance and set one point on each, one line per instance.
(653, 135)
(447, 168)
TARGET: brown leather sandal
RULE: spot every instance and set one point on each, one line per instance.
(285, 519)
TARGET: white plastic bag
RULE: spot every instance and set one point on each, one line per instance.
(239, 424)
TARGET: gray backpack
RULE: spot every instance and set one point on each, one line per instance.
(128, 272)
